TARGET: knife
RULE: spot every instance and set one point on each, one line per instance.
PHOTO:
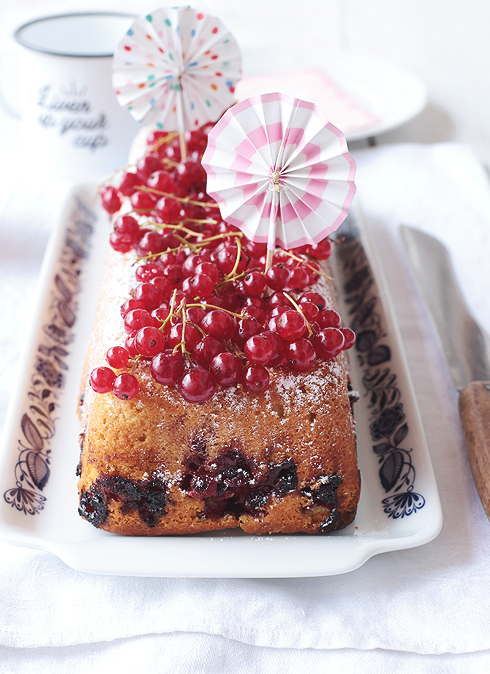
(465, 345)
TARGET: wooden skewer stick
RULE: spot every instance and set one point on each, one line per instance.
(183, 147)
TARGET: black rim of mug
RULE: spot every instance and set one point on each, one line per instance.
(24, 43)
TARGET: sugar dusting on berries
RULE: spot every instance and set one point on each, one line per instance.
(188, 278)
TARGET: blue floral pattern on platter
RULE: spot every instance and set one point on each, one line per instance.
(387, 421)
(32, 470)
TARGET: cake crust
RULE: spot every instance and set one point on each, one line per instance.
(282, 460)
(286, 456)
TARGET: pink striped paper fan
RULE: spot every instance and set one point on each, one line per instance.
(279, 171)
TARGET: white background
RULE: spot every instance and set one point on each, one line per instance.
(444, 42)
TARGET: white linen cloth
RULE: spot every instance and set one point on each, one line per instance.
(425, 609)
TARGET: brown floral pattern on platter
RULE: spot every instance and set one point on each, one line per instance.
(38, 421)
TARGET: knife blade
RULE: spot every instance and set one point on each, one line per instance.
(465, 345)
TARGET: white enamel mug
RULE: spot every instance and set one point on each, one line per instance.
(72, 124)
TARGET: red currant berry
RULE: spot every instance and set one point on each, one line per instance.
(161, 181)
(149, 341)
(226, 257)
(190, 263)
(298, 279)
(328, 318)
(168, 209)
(228, 294)
(171, 241)
(164, 286)
(209, 269)
(218, 323)
(137, 319)
(191, 175)
(148, 165)
(167, 367)
(197, 385)
(149, 294)
(122, 243)
(193, 212)
(192, 336)
(279, 309)
(131, 304)
(291, 325)
(195, 314)
(173, 272)
(155, 135)
(126, 224)
(314, 298)
(117, 356)
(322, 250)
(151, 244)
(278, 345)
(199, 285)
(128, 184)
(259, 350)
(278, 298)
(196, 141)
(309, 310)
(300, 354)
(171, 150)
(246, 328)
(256, 249)
(160, 315)
(255, 378)
(329, 342)
(226, 368)
(254, 283)
(143, 202)
(101, 379)
(130, 346)
(215, 301)
(125, 386)
(167, 258)
(254, 312)
(145, 272)
(110, 199)
(258, 302)
(313, 271)
(350, 338)
(207, 349)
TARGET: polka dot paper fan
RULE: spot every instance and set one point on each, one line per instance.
(176, 68)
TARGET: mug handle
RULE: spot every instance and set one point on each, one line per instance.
(6, 107)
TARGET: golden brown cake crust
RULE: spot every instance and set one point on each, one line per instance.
(284, 459)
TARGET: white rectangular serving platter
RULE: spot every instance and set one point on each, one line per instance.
(399, 506)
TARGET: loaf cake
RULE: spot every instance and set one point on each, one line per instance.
(215, 396)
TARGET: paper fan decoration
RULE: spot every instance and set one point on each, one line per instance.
(176, 68)
(279, 171)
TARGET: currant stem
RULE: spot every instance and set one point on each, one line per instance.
(205, 305)
(136, 360)
(300, 259)
(184, 200)
(184, 325)
(163, 141)
(298, 308)
(237, 261)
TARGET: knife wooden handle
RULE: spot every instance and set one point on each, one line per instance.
(474, 411)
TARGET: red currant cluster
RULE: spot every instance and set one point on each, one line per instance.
(204, 312)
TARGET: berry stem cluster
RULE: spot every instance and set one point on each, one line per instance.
(206, 311)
